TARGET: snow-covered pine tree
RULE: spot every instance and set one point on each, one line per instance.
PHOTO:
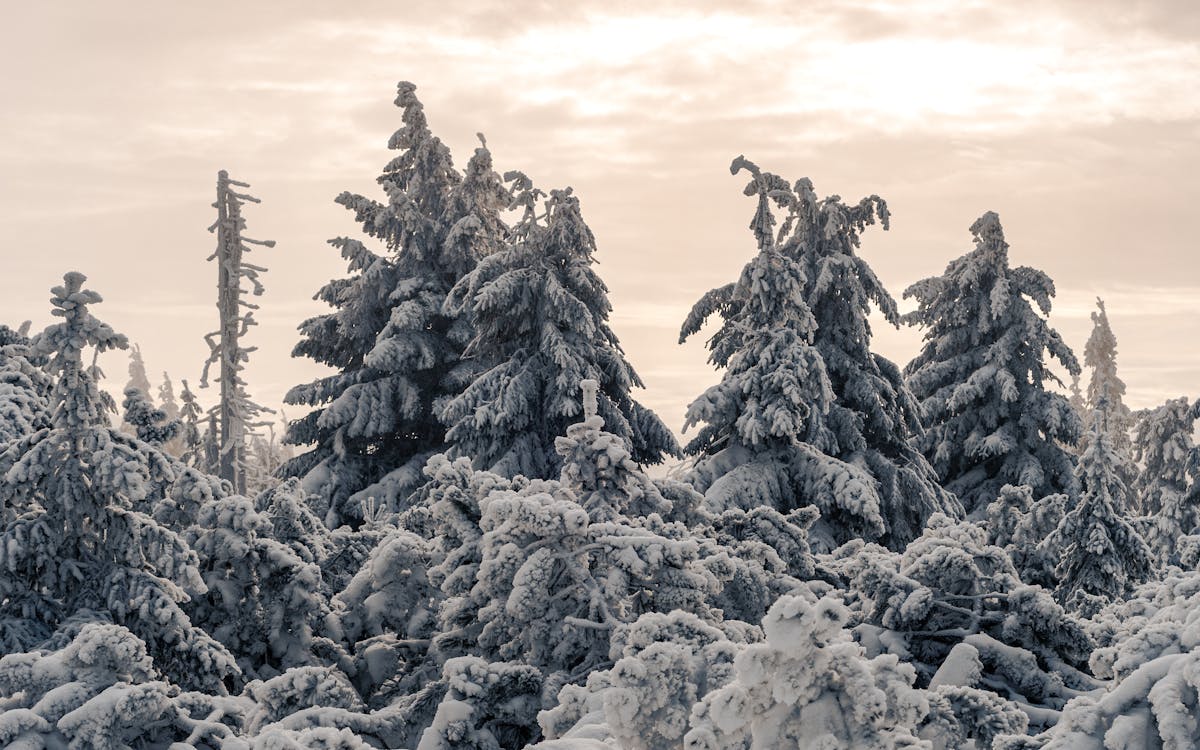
(1101, 556)
(1105, 387)
(799, 313)
(874, 415)
(25, 388)
(74, 542)
(192, 435)
(150, 424)
(137, 371)
(166, 398)
(981, 376)
(764, 439)
(540, 314)
(389, 337)
(235, 412)
(263, 601)
(1164, 448)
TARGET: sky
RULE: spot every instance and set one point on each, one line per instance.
(1078, 121)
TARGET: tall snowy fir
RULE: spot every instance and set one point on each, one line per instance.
(763, 439)
(389, 337)
(236, 414)
(1164, 448)
(981, 376)
(874, 416)
(540, 317)
(1102, 556)
(1105, 387)
(868, 416)
(71, 496)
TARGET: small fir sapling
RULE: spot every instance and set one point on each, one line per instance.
(1165, 489)
(150, 424)
(1101, 556)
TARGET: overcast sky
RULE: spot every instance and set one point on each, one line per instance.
(1078, 121)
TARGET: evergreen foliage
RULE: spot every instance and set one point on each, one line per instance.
(389, 337)
(1165, 488)
(72, 496)
(24, 388)
(540, 316)
(802, 387)
(150, 424)
(981, 376)
(1102, 557)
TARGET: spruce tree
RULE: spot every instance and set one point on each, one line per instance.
(1164, 448)
(874, 415)
(1102, 557)
(764, 439)
(1100, 354)
(150, 424)
(137, 371)
(75, 542)
(868, 416)
(540, 314)
(389, 338)
(981, 376)
(24, 387)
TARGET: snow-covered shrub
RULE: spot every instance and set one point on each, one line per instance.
(487, 706)
(262, 601)
(810, 686)
(951, 592)
(102, 691)
(665, 663)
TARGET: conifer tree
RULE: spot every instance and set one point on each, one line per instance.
(390, 340)
(1100, 354)
(765, 439)
(166, 397)
(77, 542)
(1102, 556)
(150, 424)
(874, 415)
(191, 435)
(863, 414)
(137, 371)
(24, 387)
(540, 314)
(235, 413)
(1164, 447)
(981, 376)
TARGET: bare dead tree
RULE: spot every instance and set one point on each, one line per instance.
(236, 415)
